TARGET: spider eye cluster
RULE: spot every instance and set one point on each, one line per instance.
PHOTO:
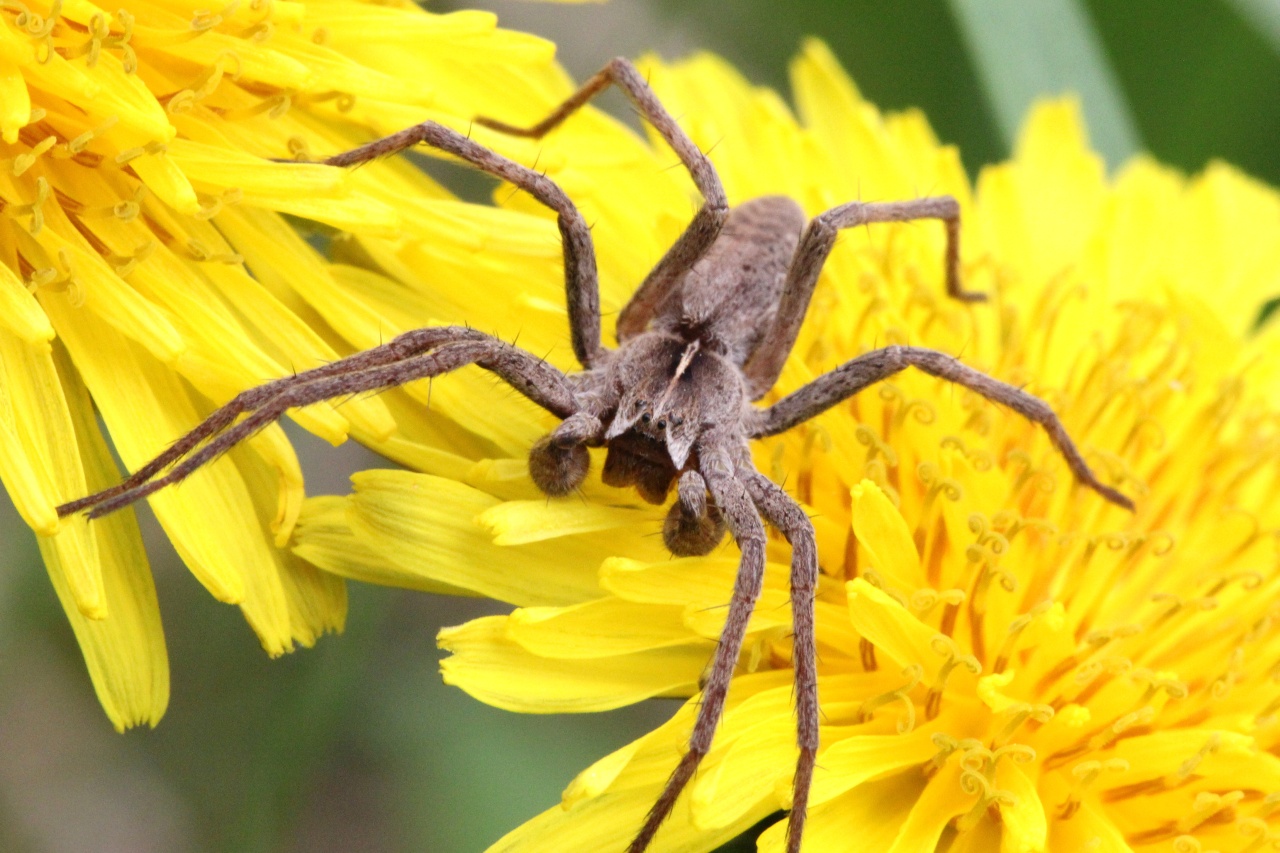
(661, 423)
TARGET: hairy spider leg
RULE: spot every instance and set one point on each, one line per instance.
(851, 377)
(717, 451)
(581, 279)
(765, 364)
(420, 354)
(790, 520)
(410, 343)
(706, 224)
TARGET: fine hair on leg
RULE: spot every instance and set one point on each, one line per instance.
(706, 224)
(816, 243)
(420, 354)
(852, 376)
(789, 518)
(744, 523)
(581, 278)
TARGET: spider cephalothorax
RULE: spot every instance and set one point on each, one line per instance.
(704, 336)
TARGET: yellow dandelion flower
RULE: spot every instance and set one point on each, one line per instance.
(149, 272)
(1006, 661)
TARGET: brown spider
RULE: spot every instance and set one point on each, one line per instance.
(705, 335)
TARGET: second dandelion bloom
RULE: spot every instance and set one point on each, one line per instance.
(1006, 660)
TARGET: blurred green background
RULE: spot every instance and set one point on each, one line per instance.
(355, 745)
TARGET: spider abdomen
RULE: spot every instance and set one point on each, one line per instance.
(729, 297)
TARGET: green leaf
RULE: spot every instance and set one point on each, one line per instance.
(1264, 16)
(1025, 50)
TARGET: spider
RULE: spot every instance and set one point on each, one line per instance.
(704, 336)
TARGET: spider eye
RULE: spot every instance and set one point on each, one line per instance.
(662, 424)
(639, 404)
(645, 417)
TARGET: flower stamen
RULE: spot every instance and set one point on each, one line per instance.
(1083, 776)
(923, 601)
(1019, 713)
(124, 265)
(946, 647)
(35, 208)
(907, 720)
(1016, 627)
(27, 159)
(947, 745)
(990, 799)
(1156, 684)
(876, 446)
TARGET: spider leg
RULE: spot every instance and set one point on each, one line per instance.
(819, 237)
(418, 340)
(735, 503)
(581, 279)
(790, 519)
(706, 224)
(852, 376)
(419, 354)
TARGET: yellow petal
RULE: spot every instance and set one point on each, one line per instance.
(672, 581)
(45, 427)
(419, 439)
(597, 778)
(15, 103)
(833, 109)
(426, 525)
(854, 761)
(519, 522)
(256, 62)
(701, 586)
(1054, 146)
(881, 529)
(457, 35)
(300, 349)
(20, 312)
(323, 537)
(872, 814)
(165, 178)
(490, 666)
(1089, 829)
(890, 628)
(243, 569)
(1162, 753)
(104, 293)
(597, 629)
(1026, 827)
(742, 781)
(610, 821)
(264, 240)
(940, 801)
(317, 601)
(220, 168)
(26, 480)
(125, 654)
